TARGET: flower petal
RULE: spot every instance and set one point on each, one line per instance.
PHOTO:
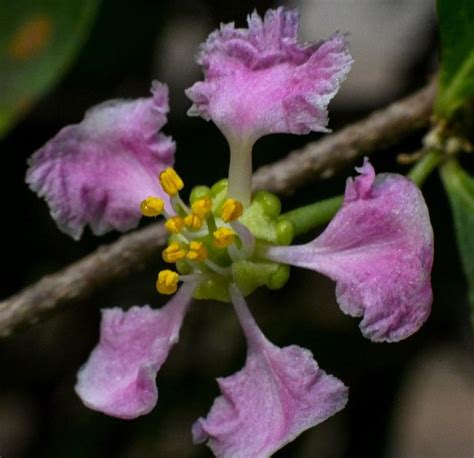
(119, 377)
(278, 394)
(261, 80)
(379, 250)
(98, 171)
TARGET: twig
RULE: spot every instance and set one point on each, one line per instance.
(82, 278)
(131, 252)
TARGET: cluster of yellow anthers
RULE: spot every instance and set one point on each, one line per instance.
(184, 223)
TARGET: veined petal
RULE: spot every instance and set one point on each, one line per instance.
(379, 250)
(119, 377)
(261, 80)
(97, 172)
(278, 394)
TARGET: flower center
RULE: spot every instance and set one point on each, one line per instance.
(213, 240)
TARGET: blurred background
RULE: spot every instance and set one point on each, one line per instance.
(411, 399)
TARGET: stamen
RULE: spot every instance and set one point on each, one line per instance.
(167, 282)
(193, 222)
(197, 252)
(174, 225)
(191, 277)
(231, 210)
(223, 237)
(234, 253)
(174, 252)
(202, 207)
(152, 206)
(246, 237)
(225, 271)
(170, 181)
(179, 206)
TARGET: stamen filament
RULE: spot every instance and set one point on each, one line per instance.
(246, 237)
(225, 271)
(184, 237)
(181, 203)
(211, 223)
(179, 206)
(191, 277)
(234, 253)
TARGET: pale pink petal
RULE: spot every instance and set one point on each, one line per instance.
(379, 250)
(278, 394)
(119, 377)
(97, 172)
(261, 80)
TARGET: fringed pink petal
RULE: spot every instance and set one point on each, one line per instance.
(119, 377)
(97, 172)
(261, 80)
(278, 394)
(379, 250)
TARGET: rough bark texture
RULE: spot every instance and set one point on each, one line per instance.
(131, 252)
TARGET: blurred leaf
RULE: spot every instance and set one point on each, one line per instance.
(38, 40)
(460, 188)
(456, 81)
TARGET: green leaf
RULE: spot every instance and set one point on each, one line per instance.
(456, 81)
(460, 188)
(38, 40)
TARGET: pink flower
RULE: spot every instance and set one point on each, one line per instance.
(379, 250)
(97, 172)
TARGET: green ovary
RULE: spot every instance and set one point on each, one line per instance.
(262, 219)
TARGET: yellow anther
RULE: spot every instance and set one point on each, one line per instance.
(152, 206)
(174, 252)
(202, 207)
(193, 222)
(170, 181)
(231, 210)
(223, 237)
(167, 282)
(174, 225)
(197, 252)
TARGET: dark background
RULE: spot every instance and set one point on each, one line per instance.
(408, 399)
